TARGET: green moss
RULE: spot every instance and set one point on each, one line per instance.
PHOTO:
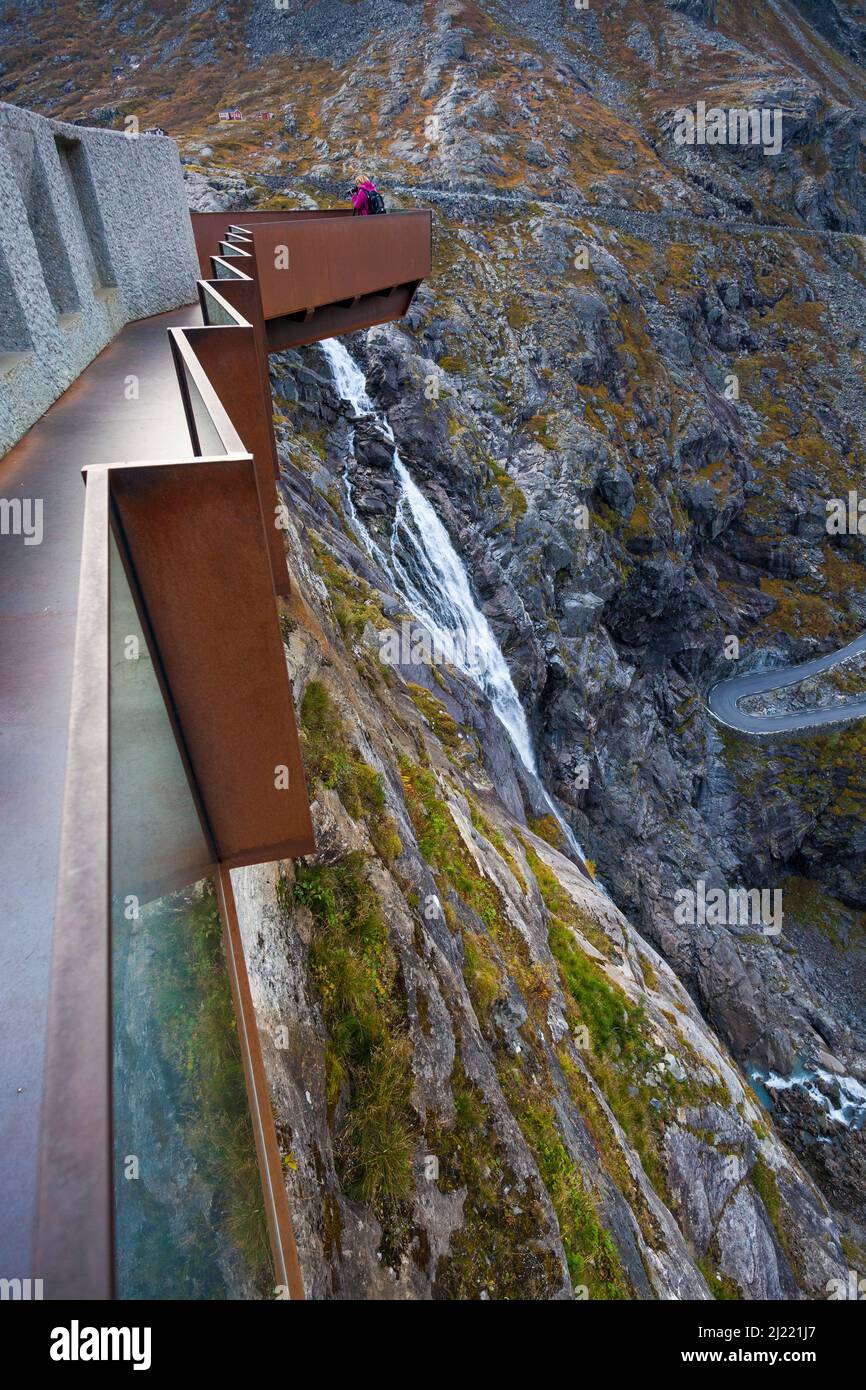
(441, 845)
(453, 867)
(518, 315)
(316, 441)
(623, 1058)
(823, 774)
(496, 839)
(797, 613)
(560, 903)
(650, 977)
(368, 1057)
(616, 1027)
(854, 1252)
(512, 495)
(719, 1285)
(593, 1260)
(334, 500)
(592, 1257)
(333, 1227)
(441, 723)
(547, 828)
(354, 602)
(811, 906)
(481, 972)
(764, 1181)
(329, 759)
(607, 1143)
(538, 427)
(386, 841)
(499, 1249)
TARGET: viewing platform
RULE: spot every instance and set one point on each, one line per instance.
(323, 274)
(149, 738)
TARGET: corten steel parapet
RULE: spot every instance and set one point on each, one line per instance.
(321, 274)
(297, 278)
(203, 558)
(196, 559)
(209, 228)
(230, 353)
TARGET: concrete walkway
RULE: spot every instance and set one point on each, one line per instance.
(93, 422)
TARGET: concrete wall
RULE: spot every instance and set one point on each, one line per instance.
(94, 231)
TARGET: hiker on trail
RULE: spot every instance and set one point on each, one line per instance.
(366, 199)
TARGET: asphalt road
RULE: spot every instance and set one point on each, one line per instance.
(723, 700)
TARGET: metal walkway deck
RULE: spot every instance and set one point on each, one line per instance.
(100, 419)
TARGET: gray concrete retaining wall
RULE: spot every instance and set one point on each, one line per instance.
(94, 231)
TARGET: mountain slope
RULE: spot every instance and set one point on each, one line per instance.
(630, 388)
(503, 1092)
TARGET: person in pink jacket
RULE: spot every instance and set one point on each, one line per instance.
(361, 196)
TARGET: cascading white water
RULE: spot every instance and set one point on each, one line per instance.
(429, 575)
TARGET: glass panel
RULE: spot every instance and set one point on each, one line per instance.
(209, 442)
(157, 840)
(227, 272)
(189, 1215)
(215, 311)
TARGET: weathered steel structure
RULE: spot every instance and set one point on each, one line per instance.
(182, 755)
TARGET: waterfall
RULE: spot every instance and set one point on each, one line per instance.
(430, 577)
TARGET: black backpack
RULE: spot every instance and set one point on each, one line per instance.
(375, 202)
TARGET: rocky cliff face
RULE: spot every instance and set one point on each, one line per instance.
(704, 522)
(487, 1083)
(630, 388)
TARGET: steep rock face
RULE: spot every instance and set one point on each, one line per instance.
(614, 621)
(329, 29)
(842, 25)
(486, 1083)
(705, 509)
(615, 632)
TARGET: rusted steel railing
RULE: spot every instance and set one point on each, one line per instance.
(192, 547)
(202, 557)
(320, 274)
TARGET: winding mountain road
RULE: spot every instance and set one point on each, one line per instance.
(724, 699)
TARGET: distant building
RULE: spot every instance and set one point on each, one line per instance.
(155, 130)
(232, 114)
